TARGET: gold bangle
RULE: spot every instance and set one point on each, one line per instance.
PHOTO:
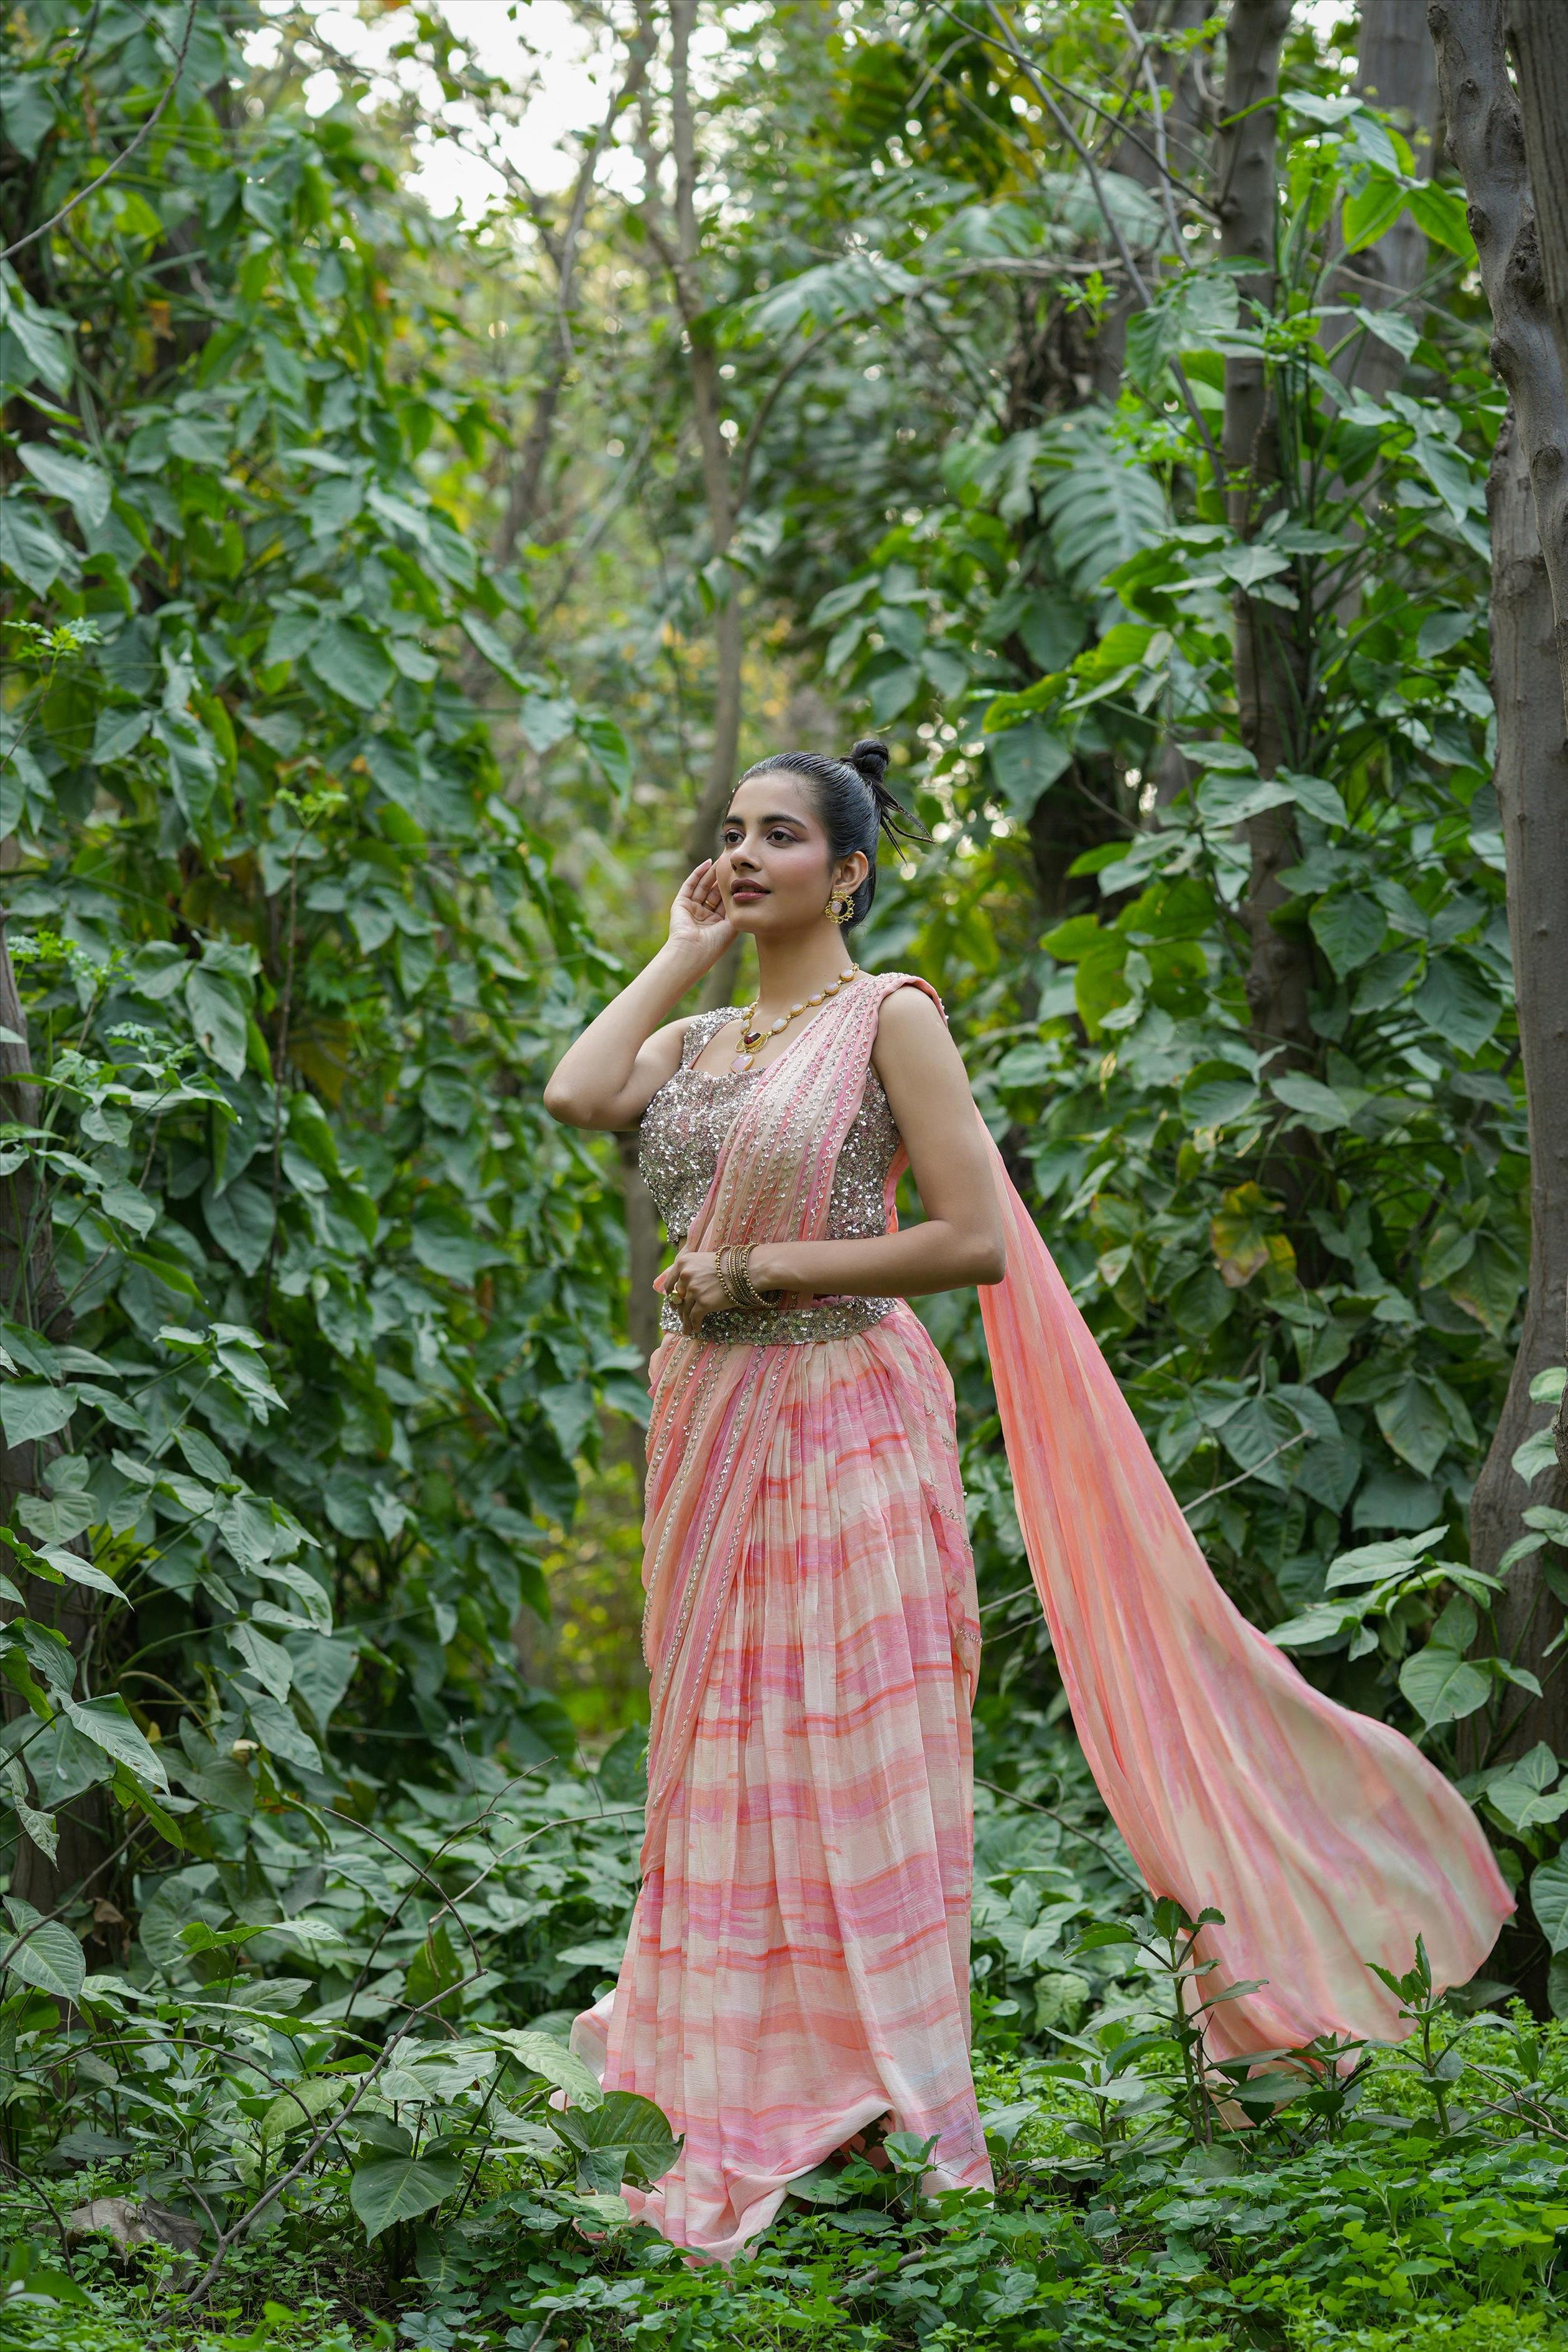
(741, 1285)
(724, 1263)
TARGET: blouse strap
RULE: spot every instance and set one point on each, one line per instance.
(701, 1028)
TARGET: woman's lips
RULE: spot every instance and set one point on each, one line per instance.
(748, 890)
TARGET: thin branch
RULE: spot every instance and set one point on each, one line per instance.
(126, 153)
(1242, 1475)
(1032, 1805)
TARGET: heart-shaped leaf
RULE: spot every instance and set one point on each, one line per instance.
(393, 2189)
(48, 1956)
(623, 2121)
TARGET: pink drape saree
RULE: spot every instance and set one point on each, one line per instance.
(798, 1959)
(1325, 1838)
(797, 1963)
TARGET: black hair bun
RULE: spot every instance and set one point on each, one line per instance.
(870, 760)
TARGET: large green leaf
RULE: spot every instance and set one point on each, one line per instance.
(240, 1219)
(30, 1410)
(1442, 1686)
(1350, 929)
(48, 1956)
(393, 2189)
(1100, 507)
(1320, 1107)
(107, 1723)
(347, 658)
(1487, 1283)
(218, 1003)
(632, 2127)
(1459, 1001)
(85, 488)
(301, 2102)
(1414, 1422)
(542, 2055)
(1216, 1093)
(1548, 1900)
(1026, 761)
(1372, 211)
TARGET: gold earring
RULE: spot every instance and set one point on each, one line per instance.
(840, 909)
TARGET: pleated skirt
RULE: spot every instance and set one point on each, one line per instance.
(798, 1961)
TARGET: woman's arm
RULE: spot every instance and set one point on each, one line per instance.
(961, 1239)
(611, 1074)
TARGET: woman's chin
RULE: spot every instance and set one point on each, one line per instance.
(766, 919)
(752, 915)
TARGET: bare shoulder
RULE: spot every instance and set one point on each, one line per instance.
(912, 1041)
(908, 1020)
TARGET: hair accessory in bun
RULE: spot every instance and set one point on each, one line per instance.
(869, 761)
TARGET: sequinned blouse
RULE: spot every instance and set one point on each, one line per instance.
(683, 1130)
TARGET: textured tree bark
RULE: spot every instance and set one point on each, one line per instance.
(1532, 779)
(30, 1294)
(1539, 31)
(1270, 669)
(1485, 136)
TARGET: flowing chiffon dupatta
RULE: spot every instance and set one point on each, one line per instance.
(1326, 1839)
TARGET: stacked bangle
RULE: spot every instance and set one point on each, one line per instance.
(734, 1263)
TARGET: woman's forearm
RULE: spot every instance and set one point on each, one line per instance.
(589, 1087)
(908, 1265)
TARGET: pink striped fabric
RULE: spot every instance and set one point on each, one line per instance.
(798, 1961)
(1326, 1839)
(799, 1957)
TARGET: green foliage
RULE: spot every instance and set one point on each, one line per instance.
(1306, 1267)
(310, 1308)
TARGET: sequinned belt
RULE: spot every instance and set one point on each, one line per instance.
(829, 1319)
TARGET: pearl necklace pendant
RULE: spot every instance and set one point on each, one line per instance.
(754, 1040)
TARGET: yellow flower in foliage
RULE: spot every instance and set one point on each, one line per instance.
(1243, 1245)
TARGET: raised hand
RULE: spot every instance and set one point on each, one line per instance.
(697, 917)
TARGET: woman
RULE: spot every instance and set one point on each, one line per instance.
(797, 1965)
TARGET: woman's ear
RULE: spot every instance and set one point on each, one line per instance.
(849, 873)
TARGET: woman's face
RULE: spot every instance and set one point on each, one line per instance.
(774, 870)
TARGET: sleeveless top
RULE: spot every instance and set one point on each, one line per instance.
(682, 1132)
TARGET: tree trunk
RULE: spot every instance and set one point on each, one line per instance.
(1539, 31)
(1485, 136)
(1270, 669)
(1533, 796)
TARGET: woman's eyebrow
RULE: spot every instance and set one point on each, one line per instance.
(780, 816)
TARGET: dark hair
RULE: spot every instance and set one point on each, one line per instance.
(855, 806)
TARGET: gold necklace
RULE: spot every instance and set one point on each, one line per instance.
(752, 1040)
